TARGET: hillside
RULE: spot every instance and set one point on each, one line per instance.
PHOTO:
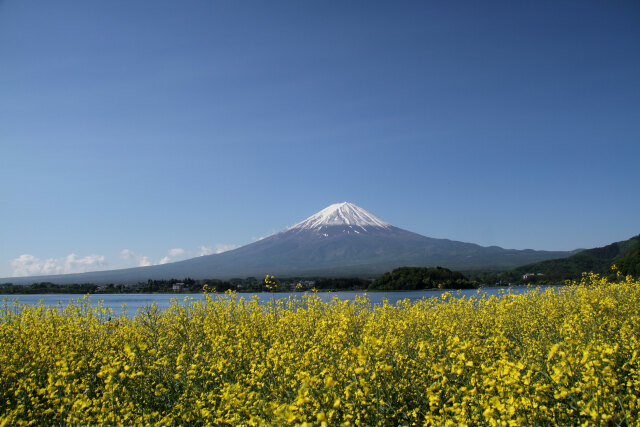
(629, 264)
(625, 254)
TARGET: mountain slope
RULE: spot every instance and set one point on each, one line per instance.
(342, 239)
(629, 264)
(597, 260)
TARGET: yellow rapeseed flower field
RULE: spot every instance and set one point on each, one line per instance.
(566, 356)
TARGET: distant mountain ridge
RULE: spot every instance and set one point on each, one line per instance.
(340, 240)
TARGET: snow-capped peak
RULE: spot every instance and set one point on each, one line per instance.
(341, 214)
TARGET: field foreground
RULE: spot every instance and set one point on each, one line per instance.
(567, 357)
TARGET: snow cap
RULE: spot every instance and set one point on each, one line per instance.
(341, 214)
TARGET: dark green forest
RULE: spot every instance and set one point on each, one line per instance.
(630, 263)
(624, 254)
(419, 278)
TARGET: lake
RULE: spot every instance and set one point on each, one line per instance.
(132, 302)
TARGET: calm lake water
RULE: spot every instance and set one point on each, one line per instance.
(130, 303)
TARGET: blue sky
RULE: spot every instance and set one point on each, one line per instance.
(135, 133)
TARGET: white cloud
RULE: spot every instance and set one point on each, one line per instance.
(205, 250)
(145, 261)
(175, 252)
(218, 248)
(141, 260)
(28, 265)
(127, 254)
(221, 247)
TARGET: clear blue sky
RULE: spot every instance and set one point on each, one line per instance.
(136, 131)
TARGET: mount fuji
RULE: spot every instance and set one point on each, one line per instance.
(340, 240)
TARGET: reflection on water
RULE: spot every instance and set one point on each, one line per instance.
(130, 303)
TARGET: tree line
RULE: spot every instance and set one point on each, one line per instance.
(189, 285)
(419, 278)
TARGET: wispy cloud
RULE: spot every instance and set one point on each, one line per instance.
(218, 248)
(127, 254)
(205, 250)
(28, 265)
(145, 261)
(141, 260)
(176, 252)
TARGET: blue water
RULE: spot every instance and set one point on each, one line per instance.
(130, 303)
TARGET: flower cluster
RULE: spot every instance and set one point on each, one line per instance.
(567, 355)
(270, 283)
